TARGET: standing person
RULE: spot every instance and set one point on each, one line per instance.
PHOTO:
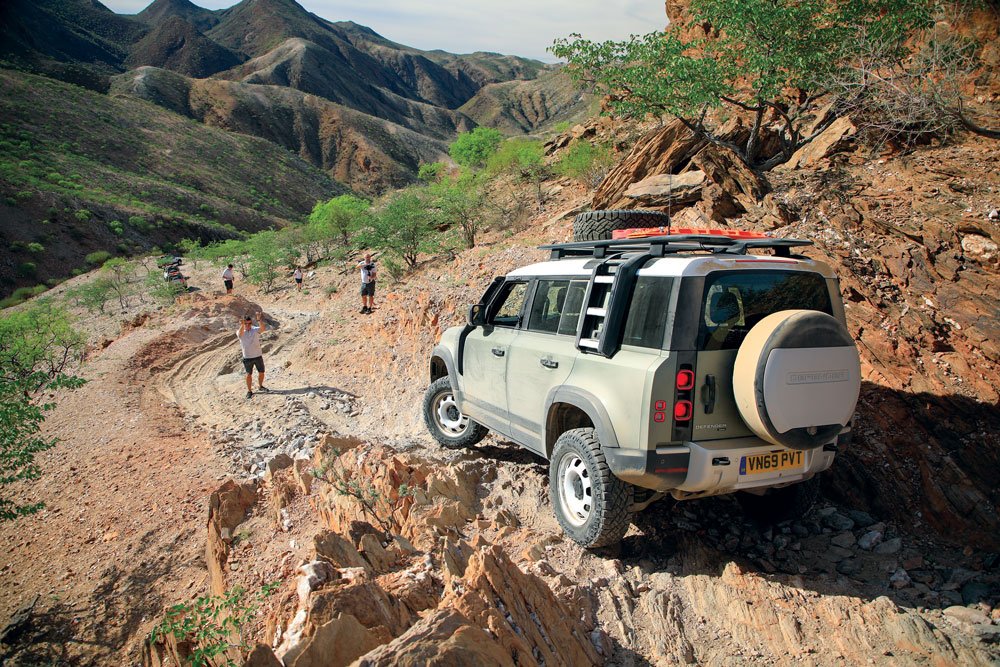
(227, 279)
(253, 356)
(368, 275)
(298, 278)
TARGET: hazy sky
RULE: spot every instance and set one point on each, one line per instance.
(520, 27)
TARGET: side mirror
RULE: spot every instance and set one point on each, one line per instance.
(476, 315)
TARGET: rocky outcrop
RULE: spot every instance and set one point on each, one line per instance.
(227, 509)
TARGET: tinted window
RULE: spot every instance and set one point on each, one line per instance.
(734, 302)
(572, 307)
(647, 314)
(508, 304)
(547, 305)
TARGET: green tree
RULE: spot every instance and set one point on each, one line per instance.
(524, 159)
(473, 149)
(37, 345)
(768, 59)
(458, 202)
(120, 275)
(404, 228)
(339, 217)
(266, 256)
(432, 172)
(190, 248)
(92, 295)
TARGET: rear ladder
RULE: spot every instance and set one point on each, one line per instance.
(606, 301)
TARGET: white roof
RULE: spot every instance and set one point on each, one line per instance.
(691, 265)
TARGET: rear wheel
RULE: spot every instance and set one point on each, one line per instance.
(598, 225)
(445, 421)
(590, 503)
(785, 504)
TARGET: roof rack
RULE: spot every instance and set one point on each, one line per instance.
(659, 246)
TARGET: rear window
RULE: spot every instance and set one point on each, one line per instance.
(647, 313)
(735, 301)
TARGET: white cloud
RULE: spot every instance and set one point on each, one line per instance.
(521, 27)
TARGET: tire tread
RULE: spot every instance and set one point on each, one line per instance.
(598, 225)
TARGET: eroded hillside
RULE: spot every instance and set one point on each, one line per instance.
(467, 562)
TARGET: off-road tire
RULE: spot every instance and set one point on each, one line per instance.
(785, 504)
(607, 519)
(598, 225)
(439, 391)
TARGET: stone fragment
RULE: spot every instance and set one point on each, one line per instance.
(966, 616)
(838, 521)
(376, 555)
(279, 462)
(869, 540)
(668, 189)
(900, 579)
(831, 140)
(980, 248)
(338, 550)
(844, 539)
(890, 546)
(262, 656)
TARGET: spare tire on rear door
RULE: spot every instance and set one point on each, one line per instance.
(797, 378)
(598, 225)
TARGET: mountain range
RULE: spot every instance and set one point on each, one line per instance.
(361, 107)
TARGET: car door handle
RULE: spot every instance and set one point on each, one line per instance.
(548, 363)
(498, 352)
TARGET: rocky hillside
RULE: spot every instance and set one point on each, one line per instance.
(82, 172)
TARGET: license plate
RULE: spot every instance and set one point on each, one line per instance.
(771, 462)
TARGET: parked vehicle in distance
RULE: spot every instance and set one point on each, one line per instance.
(690, 365)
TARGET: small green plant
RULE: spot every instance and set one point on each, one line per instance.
(214, 625)
(98, 257)
(330, 290)
(27, 269)
(116, 227)
(586, 163)
(473, 149)
(36, 248)
(83, 215)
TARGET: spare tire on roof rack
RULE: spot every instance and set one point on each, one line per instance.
(599, 225)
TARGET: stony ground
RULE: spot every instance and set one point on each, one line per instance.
(470, 559)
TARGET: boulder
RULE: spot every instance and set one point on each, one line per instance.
(338, 550)
(980, 249)
(336, 643)
(376, 555)
(663, 151)
(672, 190)
(276, 463)
(724, 168)
(831, 140)
(262, 656)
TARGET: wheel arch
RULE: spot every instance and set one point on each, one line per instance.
(443, 364)
(568, 408)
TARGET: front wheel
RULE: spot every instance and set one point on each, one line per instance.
(590, 503)
(445, 421)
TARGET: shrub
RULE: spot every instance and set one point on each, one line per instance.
(586, 163)
(98, 257)
(473, 149)
(116, 227)
(139, 223)
(83, 215)
(36, 248)
(27, 269)
(405, 228)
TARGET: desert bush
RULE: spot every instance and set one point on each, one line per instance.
(98, 257)
(116, 227)
(37, 345)
(404, 228)
(457, 201)
(83, 215)
(586, 162)
(523, 159)
(27, 269)
(36, 248)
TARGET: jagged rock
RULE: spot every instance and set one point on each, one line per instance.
(363, 599)
(890, 546)
(831, 140)
(313, 575)
(302, 471)
(667, 189)
(262, 656)
(838, 521)
(276, 463)
(339, 551)
(662, 151)
(900, 579)
(966, 616)
(520, 610)
(336, 643)
(227, 509)
(870, 540)
(733, 178)
(376, 555)
(445, 638)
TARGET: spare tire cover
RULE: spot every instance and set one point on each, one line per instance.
(797, 378)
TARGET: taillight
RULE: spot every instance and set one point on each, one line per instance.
(683, 411)
(685, 380)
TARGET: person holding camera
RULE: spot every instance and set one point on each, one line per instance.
(253, 356)
(368, 275)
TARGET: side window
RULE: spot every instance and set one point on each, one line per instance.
(508, 304)
(647, 314)
(547, 305)
(571, 307)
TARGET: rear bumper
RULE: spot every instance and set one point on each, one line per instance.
(709, 468)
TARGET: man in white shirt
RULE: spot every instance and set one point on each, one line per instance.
(227, 279)
(253, 356)
(368, 275)
(298, 278)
